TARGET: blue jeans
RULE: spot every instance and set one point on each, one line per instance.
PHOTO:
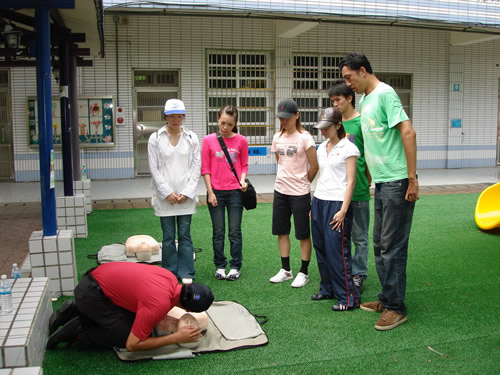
(359, 235)
(333, 252)
(391, 232)
(230, 199)
(178, 260)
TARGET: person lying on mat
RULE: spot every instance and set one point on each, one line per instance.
(120, 303)
(178, 318)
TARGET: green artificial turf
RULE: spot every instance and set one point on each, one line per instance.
(452, 297)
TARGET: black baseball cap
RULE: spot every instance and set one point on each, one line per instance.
(196, 297)
(287, 108)
(328, 117)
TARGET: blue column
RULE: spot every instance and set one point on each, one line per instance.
(48, 195)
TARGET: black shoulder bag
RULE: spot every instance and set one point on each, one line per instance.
(249, 196)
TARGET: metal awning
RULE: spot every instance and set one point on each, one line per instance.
(472, 16)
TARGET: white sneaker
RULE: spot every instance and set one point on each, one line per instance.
(220, 274)
(301, 280)
(233, 274)
(282, 276)
(187, 280)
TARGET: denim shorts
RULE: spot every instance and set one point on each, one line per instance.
(284, 206)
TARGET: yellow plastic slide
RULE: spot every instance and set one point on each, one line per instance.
(488, 208)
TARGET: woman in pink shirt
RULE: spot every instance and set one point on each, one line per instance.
(295, 151)
(224, 190)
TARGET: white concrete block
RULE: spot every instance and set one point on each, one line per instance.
(79, 200)
(35, 245)
(68, 285)
(14, 355)
(21, 324)
(52, 272)
(28, 371)
(70, 221)
(55, 286)
(37, 260)
(51, 259)
(70, 211)
(66, 257)
(66, 271)
(49, 243)
(65, 244)
(38, 271)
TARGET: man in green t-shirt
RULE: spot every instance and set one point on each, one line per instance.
(391, 156)
(343, 98)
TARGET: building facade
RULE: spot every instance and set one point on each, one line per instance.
(448, 82)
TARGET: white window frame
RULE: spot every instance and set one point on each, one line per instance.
(247, 86)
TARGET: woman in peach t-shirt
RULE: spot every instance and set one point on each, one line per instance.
(295, 151)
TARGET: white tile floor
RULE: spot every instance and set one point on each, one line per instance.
(140, 187)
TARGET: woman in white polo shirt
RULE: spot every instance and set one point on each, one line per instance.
(331, 217)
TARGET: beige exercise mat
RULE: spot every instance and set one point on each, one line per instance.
(230, 327)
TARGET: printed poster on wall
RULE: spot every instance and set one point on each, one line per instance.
(95, 121)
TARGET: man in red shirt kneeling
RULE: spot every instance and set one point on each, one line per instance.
(119, 304)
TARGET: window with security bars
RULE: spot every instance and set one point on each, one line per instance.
(402, 84)
(152, 88)
(246, 81)
(312, 76)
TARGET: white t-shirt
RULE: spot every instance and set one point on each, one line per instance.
(293, 164)
(332, 180)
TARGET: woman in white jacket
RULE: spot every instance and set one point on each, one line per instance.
(174, 161)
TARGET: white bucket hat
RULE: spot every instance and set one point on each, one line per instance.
(174, 106)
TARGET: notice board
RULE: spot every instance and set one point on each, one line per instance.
(95, 121)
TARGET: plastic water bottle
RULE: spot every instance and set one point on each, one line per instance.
(15, 273)
(84, 173)
(5, 295)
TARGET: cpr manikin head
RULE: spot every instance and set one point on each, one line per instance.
(188, 320)
(143, 252)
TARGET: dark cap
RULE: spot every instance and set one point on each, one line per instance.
(287, 108)
(328, 117)
(196, 297)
